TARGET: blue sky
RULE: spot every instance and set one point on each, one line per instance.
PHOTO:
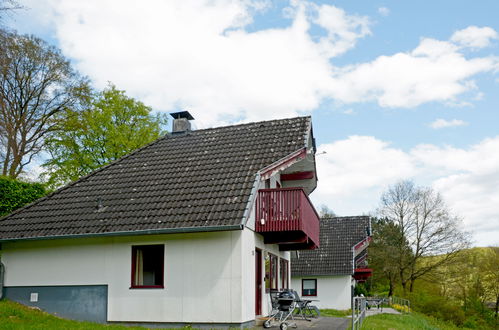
(397, 89)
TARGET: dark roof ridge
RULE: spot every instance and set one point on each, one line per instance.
(168, 135)
(346, 217)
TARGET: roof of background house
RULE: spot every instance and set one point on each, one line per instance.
(334, 257)
(195, 181)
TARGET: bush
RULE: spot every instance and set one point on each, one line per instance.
(438, 307)
(361, 289)
(15, 194)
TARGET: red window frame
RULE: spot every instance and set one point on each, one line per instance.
(161, 265)
(284, 272)
(302, 290)
(271, 274)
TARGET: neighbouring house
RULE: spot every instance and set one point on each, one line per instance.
(194, 228)
(329, 274)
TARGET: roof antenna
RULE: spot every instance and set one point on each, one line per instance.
(99, 203)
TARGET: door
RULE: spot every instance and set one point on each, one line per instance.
(258, 282)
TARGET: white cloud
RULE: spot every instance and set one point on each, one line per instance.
(343, 30)
(355, 171)
(384, 11)
(442, 123)
(474, 37)
(197, 55)
(433, 71)
(355, 155)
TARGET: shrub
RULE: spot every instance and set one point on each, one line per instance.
(15, 194)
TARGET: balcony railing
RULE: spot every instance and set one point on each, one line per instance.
(286, 216)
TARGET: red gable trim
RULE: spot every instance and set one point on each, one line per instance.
(361, 246)
(283, 163)
(297, 176)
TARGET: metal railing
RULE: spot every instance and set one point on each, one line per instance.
(358, 311)
(405, 305)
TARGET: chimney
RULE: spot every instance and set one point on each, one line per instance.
(181, 121)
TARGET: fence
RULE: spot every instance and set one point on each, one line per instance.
(400, 304)
(358, 312)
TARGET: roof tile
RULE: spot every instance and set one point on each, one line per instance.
(334, 257)
(197, 179)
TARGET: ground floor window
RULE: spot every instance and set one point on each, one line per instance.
(309, 287)
(270, 271)
(148, 266)
(284, 271)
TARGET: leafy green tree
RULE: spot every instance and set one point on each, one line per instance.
(15, 194)
(387, 252)
(112, 126)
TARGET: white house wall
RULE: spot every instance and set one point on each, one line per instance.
(203, 274)
(332, 291)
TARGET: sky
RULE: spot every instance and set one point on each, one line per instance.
(396, 89)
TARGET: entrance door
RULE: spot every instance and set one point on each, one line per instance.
(258, 282)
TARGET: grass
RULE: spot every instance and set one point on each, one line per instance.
(336, 312)
(17, 316)
(410, 321)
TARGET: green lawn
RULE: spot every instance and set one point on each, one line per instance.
(335, 312)
(16, 316)
(410, 321)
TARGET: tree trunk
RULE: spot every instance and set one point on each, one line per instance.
(497, 306)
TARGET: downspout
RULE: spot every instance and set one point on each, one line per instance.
(2, 272)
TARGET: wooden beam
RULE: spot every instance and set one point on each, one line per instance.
(297, 176)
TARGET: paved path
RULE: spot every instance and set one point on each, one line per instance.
(321, 323)
(385, 310)
(332, 323)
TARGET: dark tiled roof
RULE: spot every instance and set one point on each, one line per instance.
(194, 180)
(334, 257)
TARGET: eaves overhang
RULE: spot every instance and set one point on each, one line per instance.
(130, 233)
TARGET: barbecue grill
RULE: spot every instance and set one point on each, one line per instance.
(285, 302)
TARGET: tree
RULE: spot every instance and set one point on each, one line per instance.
(326, 212)
(112, 126)
(36, 83)
(490, 268)
(7, 6)
(387, 251)
(15, 194)
(426, 224)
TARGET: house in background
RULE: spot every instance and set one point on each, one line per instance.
(194, 228)
(328, 274)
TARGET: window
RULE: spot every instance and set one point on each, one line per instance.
(148, 266)
(309, 287)
(284, 271)
(270, 272)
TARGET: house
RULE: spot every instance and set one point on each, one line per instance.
(329, 274)
(194, 228)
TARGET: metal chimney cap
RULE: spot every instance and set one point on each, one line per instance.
(182, 114)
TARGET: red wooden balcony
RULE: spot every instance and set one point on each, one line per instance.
(285, 216)
(362, 274)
